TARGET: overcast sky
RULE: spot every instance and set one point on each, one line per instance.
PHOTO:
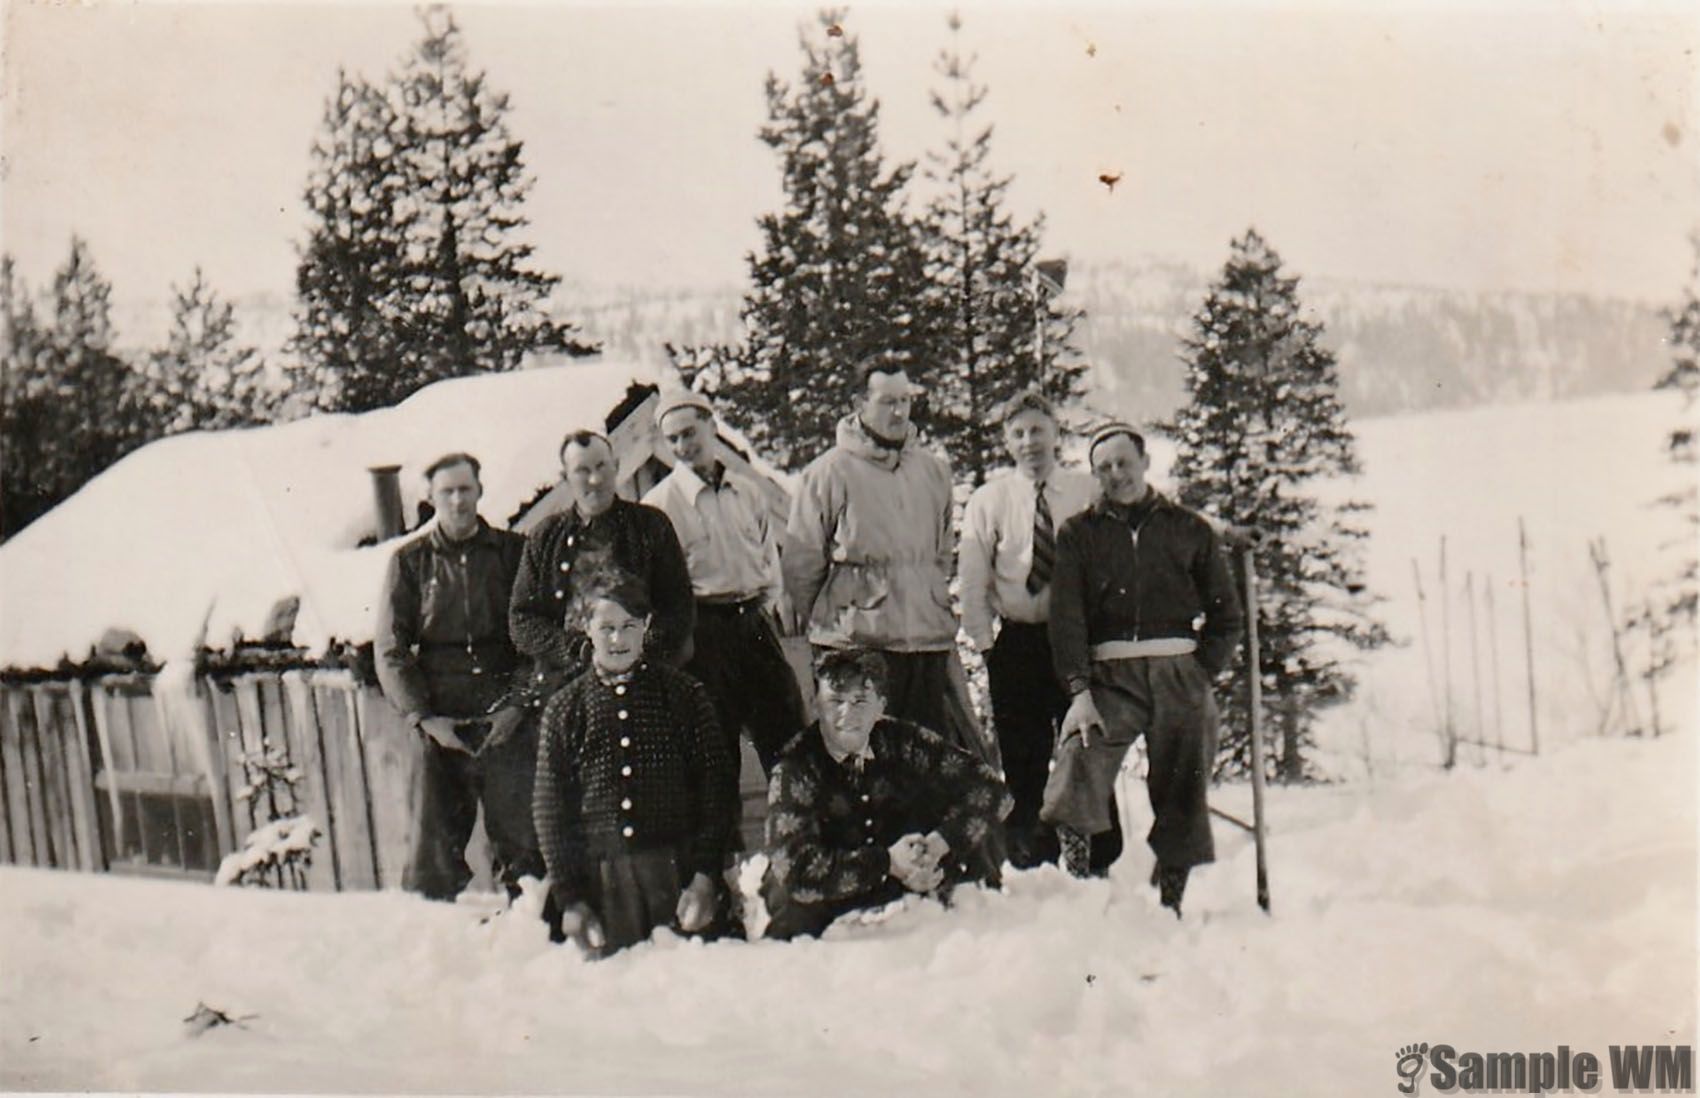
(1544, 146)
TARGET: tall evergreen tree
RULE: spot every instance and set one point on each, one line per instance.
(203, 378)
(1262, 428)
(71, 402)
(989, 306)
(840, 275)
(476, 304)
(415, 269)
(1682, 593)
(349, 279)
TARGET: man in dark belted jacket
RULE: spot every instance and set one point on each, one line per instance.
(1143, 615)
(444, 660)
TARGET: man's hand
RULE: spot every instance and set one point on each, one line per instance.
(502, 726)
(909, 867)
(1083, 717)
(696, 904)
(442, 730)
(935, 848)
(581, 926)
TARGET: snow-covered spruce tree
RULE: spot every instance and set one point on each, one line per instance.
(1262, 426)
(71, 401)
(984, 301)
(203, 378)
(414, 269)
(840, 274)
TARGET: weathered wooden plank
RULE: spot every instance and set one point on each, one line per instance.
(115, 750)
(300, 724)
(16, 792)
(50, 741)
(7, 856)
(214, 745)
(54, 709)
(354, 801)
(23, 719)
(83, 756)
(227, 726)
(394, 757)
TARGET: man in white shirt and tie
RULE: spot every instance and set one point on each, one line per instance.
(1006, 557)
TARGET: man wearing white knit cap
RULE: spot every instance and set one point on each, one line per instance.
(732, 553)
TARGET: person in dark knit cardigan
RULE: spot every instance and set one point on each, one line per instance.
(631, 786)
(863, 807)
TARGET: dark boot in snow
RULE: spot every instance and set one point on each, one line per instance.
(1076, 852)
(1171, 885)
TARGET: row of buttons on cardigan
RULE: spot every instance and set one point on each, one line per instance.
(626, 768)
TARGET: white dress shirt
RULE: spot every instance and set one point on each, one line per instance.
(997, 546)
(731, 549)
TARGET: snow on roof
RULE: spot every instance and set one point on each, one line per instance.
(215, 527)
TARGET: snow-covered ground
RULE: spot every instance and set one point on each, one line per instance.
(1549, 903)
(1514, 903)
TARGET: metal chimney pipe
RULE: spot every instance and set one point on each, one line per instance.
(386, 500)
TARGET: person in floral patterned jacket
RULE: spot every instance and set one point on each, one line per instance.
(863, 807)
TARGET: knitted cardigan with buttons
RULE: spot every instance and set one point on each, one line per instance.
(630, 766)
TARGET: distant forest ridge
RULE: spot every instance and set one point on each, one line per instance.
(1399, 348)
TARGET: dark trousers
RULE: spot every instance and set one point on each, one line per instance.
(454, 784)
(739, 661)
(1168, 700)
(1028, 705)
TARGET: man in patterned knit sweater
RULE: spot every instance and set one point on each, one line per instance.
(863, 807)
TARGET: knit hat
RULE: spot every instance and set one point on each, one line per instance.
(1111, 430)
(674, 399)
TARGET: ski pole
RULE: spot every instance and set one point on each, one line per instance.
(1256, 698)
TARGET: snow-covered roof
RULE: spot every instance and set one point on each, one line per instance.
(216, 527)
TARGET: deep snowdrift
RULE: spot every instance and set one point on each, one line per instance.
(1519, 909)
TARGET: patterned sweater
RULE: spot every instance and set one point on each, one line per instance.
(629, 766)
(830, 823)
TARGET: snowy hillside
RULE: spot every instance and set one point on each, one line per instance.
(1549, 903)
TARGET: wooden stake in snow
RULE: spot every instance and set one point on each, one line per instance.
(1428, 650)
(1447, 729)
(1475, 659)
(1493, 662)
(1255, 693)
(1528, 635)
(1655, 652)
(1626, 697)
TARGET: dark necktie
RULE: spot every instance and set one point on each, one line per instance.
(1044, 544)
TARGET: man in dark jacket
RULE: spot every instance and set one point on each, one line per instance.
(863, 807)
(599, 533)
(444, 660)
(1134, 572)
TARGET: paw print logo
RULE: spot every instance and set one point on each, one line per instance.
(1409, 1065)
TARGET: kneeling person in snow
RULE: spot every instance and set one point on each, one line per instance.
(632, 785)
(863, 807)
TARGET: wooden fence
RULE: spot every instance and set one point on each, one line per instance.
(124, 773)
